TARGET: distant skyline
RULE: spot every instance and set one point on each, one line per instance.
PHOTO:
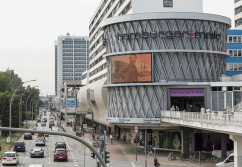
(30, 27)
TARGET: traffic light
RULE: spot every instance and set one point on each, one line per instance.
(92, 155)
(155, 162)
(106, 157)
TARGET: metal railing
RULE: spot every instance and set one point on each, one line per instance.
(213, 117)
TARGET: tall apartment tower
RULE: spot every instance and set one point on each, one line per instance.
(71, 58)
(238, 14)
(113, 8)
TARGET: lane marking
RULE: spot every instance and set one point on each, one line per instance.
(69, 146)
(132, 164)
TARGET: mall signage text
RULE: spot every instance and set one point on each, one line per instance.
(133, 120)
(170, 35)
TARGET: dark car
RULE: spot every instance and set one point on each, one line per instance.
(60, 145)
(19, 146)
(38, 120)
(27, 136)
(37, 152)
(51, 124)
(60, 154)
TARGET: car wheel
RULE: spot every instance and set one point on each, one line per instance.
(3, 164)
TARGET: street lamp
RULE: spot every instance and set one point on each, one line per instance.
(31, 104)
(27, 102)
(10, 107)
(20, 107)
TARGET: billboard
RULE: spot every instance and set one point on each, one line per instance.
(71, 105)
(131, 68)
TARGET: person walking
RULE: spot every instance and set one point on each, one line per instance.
(124, 138)
(225, 115)
(202, 111)
(208, 111)
(111, 139)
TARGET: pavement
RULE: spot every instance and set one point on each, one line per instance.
(120, 153)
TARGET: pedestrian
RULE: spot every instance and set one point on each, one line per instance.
(124, 138)
(225, 115)
(173, 108)
(94, 126)
(202, 110)
(111, 138)
(229, 112)
(93, 137)
(83, 134)
(208, 111)
(177, 108)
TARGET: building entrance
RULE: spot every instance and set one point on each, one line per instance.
(189, 104)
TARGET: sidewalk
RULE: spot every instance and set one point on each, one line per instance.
(126, 152)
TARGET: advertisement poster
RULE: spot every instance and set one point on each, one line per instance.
(71, 105)
(131, 68)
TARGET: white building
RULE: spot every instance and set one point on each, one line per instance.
(238, 14)
(71, 59)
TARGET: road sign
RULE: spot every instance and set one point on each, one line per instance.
(84, 126)
(8, 139)
(101, 134)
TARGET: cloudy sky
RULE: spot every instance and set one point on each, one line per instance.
(29, 27)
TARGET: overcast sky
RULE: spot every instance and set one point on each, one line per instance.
(29, 27)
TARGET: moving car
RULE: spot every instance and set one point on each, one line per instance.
(10, 158)
(27, 136)
(43, 123)
(51, 119)
(37, 152)
(44, 119)
(60, 154)
(40, 142)
(228, 162)
(19, 146)
(60, 145)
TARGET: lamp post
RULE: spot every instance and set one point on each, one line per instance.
(31, 104)
(10, 106)
(20, 107)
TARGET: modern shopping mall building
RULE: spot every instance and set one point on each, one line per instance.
(146, 56)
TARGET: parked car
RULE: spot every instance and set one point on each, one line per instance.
(10, 158)
(27, 136)
(19, 146)
(40, 142)
(60, 145)
(37, 152)
(60, 154)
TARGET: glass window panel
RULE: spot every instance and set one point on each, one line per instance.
(231, 53)
(235, 67)
(230, 67)
(235, 39)
(239, 39)
(240, 67)
(235, 53)
(168, 3)
(230, 39)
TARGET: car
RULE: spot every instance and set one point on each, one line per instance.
(46, 135)
(36, 165)
(51, 124)
(51, 119)
(37, 152)
(43, 123)
(10, 158)
(41, 135)
(27, 136)
(44, 119)
(60, 145)
(40, 142)
(19, 146)
(228, 162)
(38, 120)
(60, 154)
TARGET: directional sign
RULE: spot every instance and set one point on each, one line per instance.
(101, 134)
(8, 139)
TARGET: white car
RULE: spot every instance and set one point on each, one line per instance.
(40, 142)
(10, 158)
(228, 162)
(51, 119)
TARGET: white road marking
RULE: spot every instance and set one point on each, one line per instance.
(132, 164)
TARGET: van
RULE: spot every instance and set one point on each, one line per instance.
(228, 162)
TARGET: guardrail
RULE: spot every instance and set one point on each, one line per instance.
(214, 117)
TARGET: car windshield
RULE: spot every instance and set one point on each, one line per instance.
(37, 149)
(60, 151)
(40, 135)
(60, 144)
(9, 155)
(18, 144)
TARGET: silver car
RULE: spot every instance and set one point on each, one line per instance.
(40, 142)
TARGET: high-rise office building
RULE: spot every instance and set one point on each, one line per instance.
(238, 14)
(71, 58)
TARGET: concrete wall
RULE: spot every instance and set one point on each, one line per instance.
(147, 6)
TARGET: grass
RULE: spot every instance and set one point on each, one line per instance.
(7, 146)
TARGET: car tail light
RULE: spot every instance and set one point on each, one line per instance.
(14, 158)
(13, 146)
(4, 158)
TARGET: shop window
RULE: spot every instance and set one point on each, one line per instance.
(229, 88)
(217, 88)
(168, 3)
(236, 88)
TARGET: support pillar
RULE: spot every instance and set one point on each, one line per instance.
(237, 150)
(224, 139)
(185, 141)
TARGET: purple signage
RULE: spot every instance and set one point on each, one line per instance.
(187, 92)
